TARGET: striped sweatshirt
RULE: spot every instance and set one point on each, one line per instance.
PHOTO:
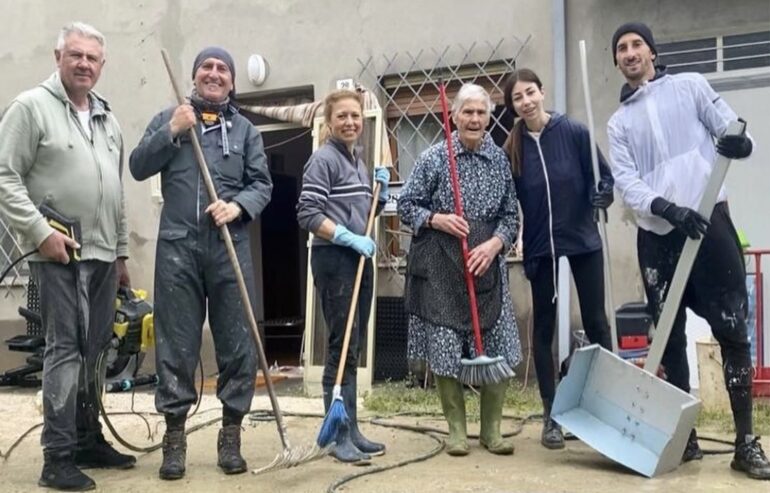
(335, 185)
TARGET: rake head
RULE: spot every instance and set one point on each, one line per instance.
(483, 370)
(293, 457)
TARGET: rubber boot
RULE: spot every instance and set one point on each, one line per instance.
(174, 449)
(492, 397)
(362, 443)
(551, 437)
(61, 473)
(453, 404)
(343, 449)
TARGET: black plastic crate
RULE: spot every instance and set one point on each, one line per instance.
(390, 339)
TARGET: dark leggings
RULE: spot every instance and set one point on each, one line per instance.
(589, 281)
(334, 272)
(716, 291)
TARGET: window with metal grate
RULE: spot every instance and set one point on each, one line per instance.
(717, 54)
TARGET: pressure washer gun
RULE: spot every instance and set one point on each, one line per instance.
(68, 227)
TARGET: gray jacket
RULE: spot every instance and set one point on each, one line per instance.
(46, 156)
(335, 185)
(242, 176)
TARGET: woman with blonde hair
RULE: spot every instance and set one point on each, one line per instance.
(334, 205)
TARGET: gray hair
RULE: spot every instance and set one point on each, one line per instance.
(82, 29)
(472, 91)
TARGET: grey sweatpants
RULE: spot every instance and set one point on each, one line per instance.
(77, 305)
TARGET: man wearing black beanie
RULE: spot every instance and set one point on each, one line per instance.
(662, 150)
(193, 274)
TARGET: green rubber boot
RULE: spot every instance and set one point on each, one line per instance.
(492, 397)
(453, 404)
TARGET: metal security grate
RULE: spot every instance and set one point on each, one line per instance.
(407, 85)
(9, 251)
(717, 54)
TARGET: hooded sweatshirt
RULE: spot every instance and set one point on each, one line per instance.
(47, 156)
(662, 143)
(555, 191)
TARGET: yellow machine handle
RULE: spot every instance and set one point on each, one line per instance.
(148, 332)
(120, 329)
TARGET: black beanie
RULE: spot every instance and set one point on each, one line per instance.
(219, 54)
(633, 27)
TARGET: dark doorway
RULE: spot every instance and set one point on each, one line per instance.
(282, 248)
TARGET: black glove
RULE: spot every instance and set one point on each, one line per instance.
(603, 197)
(735, 146)
(684, 219)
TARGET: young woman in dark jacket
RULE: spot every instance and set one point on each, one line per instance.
(551, 161)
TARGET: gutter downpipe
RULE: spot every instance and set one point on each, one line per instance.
(559, 36)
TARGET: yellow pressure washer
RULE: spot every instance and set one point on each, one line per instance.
(133, 327)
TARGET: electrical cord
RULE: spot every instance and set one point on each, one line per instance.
(14, 264)
(264, 415)
(99, 385)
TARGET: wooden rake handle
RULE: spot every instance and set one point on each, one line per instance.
(356, 291)
(225, 232)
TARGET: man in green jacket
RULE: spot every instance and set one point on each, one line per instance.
(60, 145)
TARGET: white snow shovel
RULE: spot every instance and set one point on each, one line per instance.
(626, 413)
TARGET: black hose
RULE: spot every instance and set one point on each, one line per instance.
(99, 384)
(14, 263)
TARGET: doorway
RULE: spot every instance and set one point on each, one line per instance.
(283, 250)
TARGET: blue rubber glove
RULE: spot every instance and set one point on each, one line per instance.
(382, 175)
(362, 244)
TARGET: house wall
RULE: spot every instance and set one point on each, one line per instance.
(305, 43)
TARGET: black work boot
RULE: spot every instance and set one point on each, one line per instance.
(229, 457)
(692, 451)
(98, 453)
(174, 454)
(750, 458)
(362, 443)
(343, 449)
(551, 437)
(61, 473)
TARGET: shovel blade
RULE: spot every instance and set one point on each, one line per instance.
(624, 412)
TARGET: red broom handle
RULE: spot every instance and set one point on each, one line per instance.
(469, 283)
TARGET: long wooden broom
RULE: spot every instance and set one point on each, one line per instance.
(337, 416)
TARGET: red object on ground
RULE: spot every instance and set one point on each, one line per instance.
(761, 383)
(633, 342)
(761, 380)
